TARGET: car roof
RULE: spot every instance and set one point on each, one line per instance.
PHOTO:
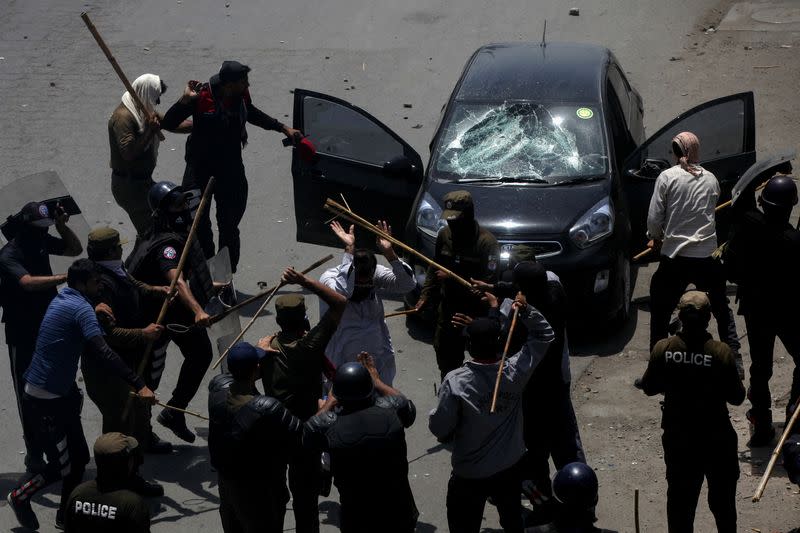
(530, 71)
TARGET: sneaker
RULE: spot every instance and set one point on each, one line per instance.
(145, 488)
(156, 445)
(739, 364)
(24, 513)
(176, 422)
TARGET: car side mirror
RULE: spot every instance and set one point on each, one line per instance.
(399, 167)
(650, 169)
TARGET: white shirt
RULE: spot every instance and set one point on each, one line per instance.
(682, 213)
(363, 328)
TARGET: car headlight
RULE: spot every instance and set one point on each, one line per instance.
(594, 226)
(429, 216)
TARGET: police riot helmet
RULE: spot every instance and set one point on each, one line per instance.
(575, 486)
(352, 383)
(159, 192)
(779, 193)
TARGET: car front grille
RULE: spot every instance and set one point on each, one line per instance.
(542, 249)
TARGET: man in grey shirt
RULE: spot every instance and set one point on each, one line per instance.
(487, 446)
(681, 224)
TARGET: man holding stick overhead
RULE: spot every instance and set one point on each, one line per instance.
(220, 111)
(487, 447)
(470, 252)
(155, 261)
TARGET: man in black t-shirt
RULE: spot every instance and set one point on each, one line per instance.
(27, 285)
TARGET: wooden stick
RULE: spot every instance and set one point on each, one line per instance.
(342, 211)
(772, 460)
(636, 509)
(263, 306)
(400, 313)
(134, 395)
(503, 359)
(174, 283)
(111, 59)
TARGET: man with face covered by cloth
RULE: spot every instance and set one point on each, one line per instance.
(362, 280)
(27, 286)
(154, 261)
(470, 252)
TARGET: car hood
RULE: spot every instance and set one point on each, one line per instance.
(514, 211)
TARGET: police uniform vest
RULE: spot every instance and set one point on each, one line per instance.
(366, 445)
(93, 511)
(469, 258)
(142, 263)
(249, 435)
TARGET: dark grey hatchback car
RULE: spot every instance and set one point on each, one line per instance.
(550, 142)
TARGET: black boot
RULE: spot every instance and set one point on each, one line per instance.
(156, 445)
(762, 431)
(145, 488)
(176, 422)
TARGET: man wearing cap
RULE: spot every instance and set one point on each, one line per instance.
(293, 375)
(250, 437)
(363, 281)
(363, 429)
(52, 399)
(127, 332)
(488, 447)
(220, 110)
(27, 286)
(133, 138)
(107, 503)
(697, 376)
(681, 224)
(470, 252)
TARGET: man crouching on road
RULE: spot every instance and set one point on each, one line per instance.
(487, 447)
(698, 377)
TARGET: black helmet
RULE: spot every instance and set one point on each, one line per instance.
(160, 191)
(780, 193)
(352, 383)
(575, 485)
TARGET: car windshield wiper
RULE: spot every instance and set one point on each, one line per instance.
(501, 180)
(580, 179)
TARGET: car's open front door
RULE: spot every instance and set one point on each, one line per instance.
(357, 157)
(726, 129)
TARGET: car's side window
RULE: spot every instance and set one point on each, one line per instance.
(340, 131)
(622, 91)
(623, 142)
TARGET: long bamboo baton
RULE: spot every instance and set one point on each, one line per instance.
(774, 458)
(111, 59)
(263, 306)
(401, 313)
(636, 509)
(180, 328)
(347, 214)
(167, 406)
(721, 206)
(174, 283)
(503, 359)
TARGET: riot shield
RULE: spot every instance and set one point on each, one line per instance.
(760, 172)
(223, 332)
(44, 187)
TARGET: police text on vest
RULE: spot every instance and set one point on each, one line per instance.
(689, 358)
(96, 509)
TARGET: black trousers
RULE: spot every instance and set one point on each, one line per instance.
(252, 506)
(690, 457)
(304, 483)
(230, 197)
(763, 326)
(195, 347)
(449, 343)
(668, 284)
(466, 499)
(20, 355)
(59, 433)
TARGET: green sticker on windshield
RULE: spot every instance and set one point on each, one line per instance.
(585, 113)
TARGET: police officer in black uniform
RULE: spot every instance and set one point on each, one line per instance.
(761, 257)
(365, 437)
(575, 487)
(249, 440)
(154, 261)
(293, 375)
(698, 377)
(107, 503)
(27, 286)
(470, 252)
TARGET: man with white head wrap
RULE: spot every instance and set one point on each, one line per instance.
(134, 149)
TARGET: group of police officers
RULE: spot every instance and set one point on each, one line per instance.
(317, 422)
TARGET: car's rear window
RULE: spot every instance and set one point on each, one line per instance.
(521, 140)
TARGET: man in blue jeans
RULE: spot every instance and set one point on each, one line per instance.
(52, 399)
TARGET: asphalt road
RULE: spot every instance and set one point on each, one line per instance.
(58, 91)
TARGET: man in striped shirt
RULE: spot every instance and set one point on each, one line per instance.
(52, 399)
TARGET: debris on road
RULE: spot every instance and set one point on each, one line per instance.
(766, 66)
(574, 12)
(407, 106)
(417, 126)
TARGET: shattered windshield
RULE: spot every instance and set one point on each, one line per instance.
(521, 141)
